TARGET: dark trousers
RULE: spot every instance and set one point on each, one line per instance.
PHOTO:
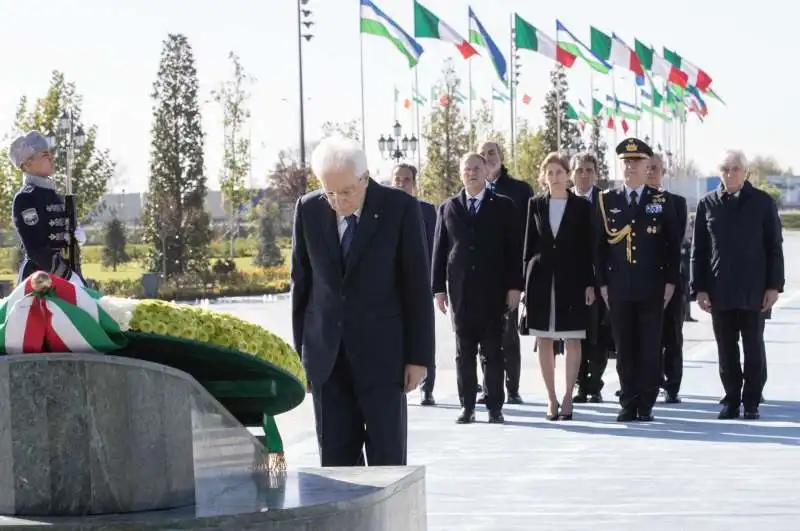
(489, 339)
(636, 327)
(743, 385)
(354, 415)
(672, 341)
(594, 360)
(430, 378)
(512, 359)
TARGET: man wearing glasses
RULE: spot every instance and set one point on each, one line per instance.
(361, 310)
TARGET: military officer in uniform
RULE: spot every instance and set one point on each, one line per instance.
(638, 258)
(38, 211)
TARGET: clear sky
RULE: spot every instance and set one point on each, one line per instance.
(111, 50)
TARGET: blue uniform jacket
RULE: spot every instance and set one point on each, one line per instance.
(40, 220)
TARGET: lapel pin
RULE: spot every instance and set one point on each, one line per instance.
(376, 216)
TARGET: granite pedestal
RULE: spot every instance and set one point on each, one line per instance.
(99, 428)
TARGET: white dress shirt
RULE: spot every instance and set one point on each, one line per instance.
(639, 191)
(478, 197)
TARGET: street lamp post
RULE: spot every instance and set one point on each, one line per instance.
(303, 14)
(397, 146)
(66, 141)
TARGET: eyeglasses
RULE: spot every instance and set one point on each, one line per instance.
(344, 193)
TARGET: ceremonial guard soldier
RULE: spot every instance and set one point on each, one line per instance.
(637, 261)
(38, 211)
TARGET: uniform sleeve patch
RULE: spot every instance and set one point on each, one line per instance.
(30, 216)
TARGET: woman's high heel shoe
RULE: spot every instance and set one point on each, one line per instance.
(565, 416)
(552, 415)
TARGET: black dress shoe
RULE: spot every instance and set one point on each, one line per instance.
(467, 416)
(427, 400)
(565, 416)
(672, 398)
(751, 414)
(627, 415)
(580, 398)
(514, 399)
(496, 417)
(596, 399)
(481, 399)
(552, 415)
(645, 416)
(728, 413)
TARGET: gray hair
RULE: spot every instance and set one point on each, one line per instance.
(580, 158)
(336, 153)
(470, 155)
(736, 155)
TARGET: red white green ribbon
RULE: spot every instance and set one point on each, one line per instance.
(62, 318)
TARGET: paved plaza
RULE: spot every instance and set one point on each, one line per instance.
(686, 471)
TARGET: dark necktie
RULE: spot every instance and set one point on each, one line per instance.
(633, 196)
(349, 234)
(472, 209)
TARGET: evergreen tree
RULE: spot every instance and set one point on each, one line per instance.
(92, 167)
(446, 136)
(233, 98)
(598, 147)
(114, 252)
(176, 224)
(269, 254)
(555, 106)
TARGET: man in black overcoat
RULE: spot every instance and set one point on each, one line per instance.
(672, 333)
(404, 176)
(594, 349)
(737, 274)
(499, 181)
(477, 263)
(361, 310)
(637, 260)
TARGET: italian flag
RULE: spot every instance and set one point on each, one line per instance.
(429, 26)
(612, 49)
(527, 37)
(695, 76)
(63, 318)
(656, 64)
(376, 22)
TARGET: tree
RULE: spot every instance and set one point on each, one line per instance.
(530, 152)
(92, 167)
(555, 111)
(348, 129)
(233, 98)
(446, 136)
(114, 252)
(176, 223)
(761, 167)
(269, 254)
(598, 148)
(287, 178)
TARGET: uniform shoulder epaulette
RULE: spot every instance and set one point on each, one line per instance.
(606, 191)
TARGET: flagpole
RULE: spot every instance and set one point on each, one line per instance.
(558, 120)
(416, 118)
(361, 61)
(636, 126)
(512, 87)
(614, 92)
(472, 128)
(396, 97)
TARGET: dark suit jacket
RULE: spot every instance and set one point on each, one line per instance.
(638, 267)
(379, 306)
(519, 192)
(565, 259)
(477, 259)
(737, 249)
(429, 219)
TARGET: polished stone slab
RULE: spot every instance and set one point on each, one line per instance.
(333, 499)
(92, 434)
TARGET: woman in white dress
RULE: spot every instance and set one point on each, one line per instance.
(559, 277)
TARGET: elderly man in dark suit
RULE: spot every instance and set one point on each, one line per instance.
(404, 176)
(361, 308)
(737, 274)
(672, 332)
(499, 181)
(477, 261)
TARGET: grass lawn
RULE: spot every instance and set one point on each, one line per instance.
(134, 270)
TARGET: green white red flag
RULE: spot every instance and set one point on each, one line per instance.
(429, 26)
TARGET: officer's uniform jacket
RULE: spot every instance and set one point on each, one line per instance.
(39, 217)
(637, 247)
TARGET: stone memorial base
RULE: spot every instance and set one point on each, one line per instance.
(91, 442)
